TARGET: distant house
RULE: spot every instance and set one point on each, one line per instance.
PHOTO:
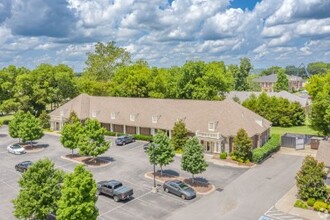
(243, 95)
(214, 123)
(267, 83)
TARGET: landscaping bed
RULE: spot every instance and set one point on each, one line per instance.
(32, 149)
(200, 187)
(88, 160)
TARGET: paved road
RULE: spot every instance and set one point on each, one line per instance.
(250, 195)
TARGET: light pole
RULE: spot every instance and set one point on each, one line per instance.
(154, 188)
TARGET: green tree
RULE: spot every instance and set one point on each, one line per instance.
(44, 120)
(91, 141)
(161, 151)
(15, 124)
(105, 60)
(271, 70)
(73, 117)
(282, 82)
(40, 189)
(318, 87)
(71, 133)
(241, 83)
(242, 146)
(193, 160)
(179, 135)
(78, 199)
(30, 129)
(318, 68)
(310, 180)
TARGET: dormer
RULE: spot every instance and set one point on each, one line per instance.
(154, 119)
(133, 117)
(114, 115)
(212, 126)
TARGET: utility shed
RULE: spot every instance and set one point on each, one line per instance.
(323, 153)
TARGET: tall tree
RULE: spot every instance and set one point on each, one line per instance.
(241, 83)
(30, 128)
(78, 199)
(91, 141)
(106, 59)
(193, 160)
(318, 68)
(40, 189)
(271, 70)
(282, 82)
(44, 120)
(179, 135)
(161, 151)
(71, 133)
(310, 180)
(15, 124)
(242, 146)
(318, 87)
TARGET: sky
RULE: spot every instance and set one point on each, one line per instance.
(165, 33)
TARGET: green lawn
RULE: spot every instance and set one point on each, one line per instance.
(6, 117)
(297, 129)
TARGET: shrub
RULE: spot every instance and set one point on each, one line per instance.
(110, 133)
(142, 137)
(320, 206)
(179, 151)
(6, 121)
(272, 145)
(329, 207)
(310, 202)
(300, 204)
(223, 155)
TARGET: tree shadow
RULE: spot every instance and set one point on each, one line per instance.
(200, 182)
(168, 172)
(3, 135)
(105, 158)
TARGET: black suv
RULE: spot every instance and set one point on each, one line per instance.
(23, 166)
(122, 140)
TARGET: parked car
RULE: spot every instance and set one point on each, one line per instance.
(16, 149)
(115, 189)
(179, 188)
(23, 166)
(122, 140)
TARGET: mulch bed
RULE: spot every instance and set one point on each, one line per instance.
(199, 187)
(33, 148)
(229, 160)
(87, 160)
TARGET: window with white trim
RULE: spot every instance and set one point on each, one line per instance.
(132, 117)
(154, 119)
(212, 126)
(113, 115)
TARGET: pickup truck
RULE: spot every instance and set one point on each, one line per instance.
(115, 189)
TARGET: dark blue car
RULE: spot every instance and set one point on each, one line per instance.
(122, 140)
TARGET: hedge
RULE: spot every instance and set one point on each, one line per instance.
(223, 155)
(272, 145)
(300, 204)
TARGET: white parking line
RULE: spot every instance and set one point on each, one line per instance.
(15, 188)
(111, 210)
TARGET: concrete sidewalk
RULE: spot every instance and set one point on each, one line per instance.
(285, 204)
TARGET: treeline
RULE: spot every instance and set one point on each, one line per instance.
(278, 110)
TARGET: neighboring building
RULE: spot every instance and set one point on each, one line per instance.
(215, 123)
(243, 95)
(267, 83)
(323, 153)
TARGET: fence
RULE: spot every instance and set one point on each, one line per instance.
(297, 141)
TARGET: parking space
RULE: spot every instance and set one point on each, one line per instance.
(129, 163)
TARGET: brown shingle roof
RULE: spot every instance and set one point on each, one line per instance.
(323, 153)
(229, 115)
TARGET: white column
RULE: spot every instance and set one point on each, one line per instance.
(170, 134)
(111, 127)
(124, 129)
(152, 131)
(137, 130)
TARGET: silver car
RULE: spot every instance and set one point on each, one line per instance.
(16, 149)
(179, 188)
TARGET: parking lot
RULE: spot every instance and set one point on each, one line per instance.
(129, 163)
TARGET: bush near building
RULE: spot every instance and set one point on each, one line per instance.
(223, 155)
(272, 145)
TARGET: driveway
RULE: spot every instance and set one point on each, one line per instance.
(129, 164)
